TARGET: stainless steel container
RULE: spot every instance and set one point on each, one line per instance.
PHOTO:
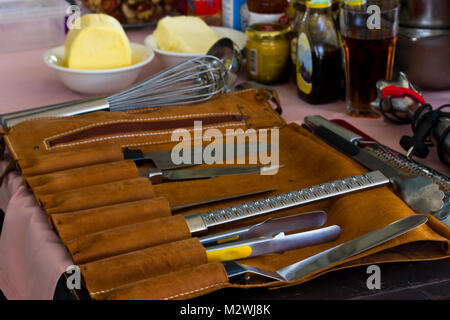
(424, 54)
(425, 14)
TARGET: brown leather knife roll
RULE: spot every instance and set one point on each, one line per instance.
(111, 220)
(177, 285)
(75, 224)
(142, 264)
(98, 195)
(61, 181)
(128, 238)
(48, 163)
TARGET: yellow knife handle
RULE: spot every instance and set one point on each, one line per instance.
(228, 239)
(229, 254)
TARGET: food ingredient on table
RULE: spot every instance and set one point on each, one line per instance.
(184, 34)
(97, 41)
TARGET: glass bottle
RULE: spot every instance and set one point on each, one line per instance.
(300, 8)
(319, 71)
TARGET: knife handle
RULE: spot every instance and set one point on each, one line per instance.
(229, 254)
(337, 141)
(135, 155)
(314, 122)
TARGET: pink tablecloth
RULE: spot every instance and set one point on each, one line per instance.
(31, 255)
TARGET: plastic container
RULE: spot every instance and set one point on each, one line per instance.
(30, 24)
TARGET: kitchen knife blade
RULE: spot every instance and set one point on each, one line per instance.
(158, 176)
(198, 222)
(234, 196)
(269, 227)
(236, 250)
(163, 159)
(351, 248)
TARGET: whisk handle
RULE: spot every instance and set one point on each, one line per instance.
(64, 109)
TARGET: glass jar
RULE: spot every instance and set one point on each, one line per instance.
(267, 52)
(267, 11)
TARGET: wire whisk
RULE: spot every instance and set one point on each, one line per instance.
(195, 80)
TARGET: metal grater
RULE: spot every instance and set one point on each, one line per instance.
(198, 222)
(405, 164)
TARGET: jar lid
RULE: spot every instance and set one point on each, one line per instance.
(318, 4)
(268, 31)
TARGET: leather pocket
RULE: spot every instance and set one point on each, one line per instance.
(80, 223)
(98, 196)
(124, 239)
(142, 264)
(60, 181)
(181, 284)
(129, 128)
(58, 161)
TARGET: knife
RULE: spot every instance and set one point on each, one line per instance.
(331, 256)
(198, 222)
(157, 176)
(236, 250)
(163, 159)
(351, 248)
(420, 193)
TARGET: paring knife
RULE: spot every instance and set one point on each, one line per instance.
(157, 176)
(198, 222)
(163, 159)
(333, 255)
(420, 193)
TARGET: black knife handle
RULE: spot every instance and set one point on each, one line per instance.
(337, 141)
(135, 155)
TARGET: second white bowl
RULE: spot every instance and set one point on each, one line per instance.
(170, 59)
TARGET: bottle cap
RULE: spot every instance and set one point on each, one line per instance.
(354, 2)
(268, 31)
(317, 4)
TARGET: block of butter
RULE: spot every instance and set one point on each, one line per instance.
(99, 43)
(186, 34)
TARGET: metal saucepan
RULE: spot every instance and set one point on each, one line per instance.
(423, 55)
(425, 14)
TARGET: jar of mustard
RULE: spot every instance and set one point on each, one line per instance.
(267, 52)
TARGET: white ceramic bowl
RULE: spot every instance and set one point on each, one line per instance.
(103, 81)
(169, 59)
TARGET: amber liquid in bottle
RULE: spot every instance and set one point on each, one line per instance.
(319, 72)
